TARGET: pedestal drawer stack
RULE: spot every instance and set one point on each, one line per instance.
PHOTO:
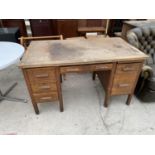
(125, 78)
(43, 84)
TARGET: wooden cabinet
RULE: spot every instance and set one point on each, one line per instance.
(74, 27)
(91, 25)
(66, 27)
(46, 27)
(41, 27)
(71, 27)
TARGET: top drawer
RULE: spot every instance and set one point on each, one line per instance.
(84, 68)
(38, 75)
(128, 68)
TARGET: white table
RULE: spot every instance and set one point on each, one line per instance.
(10, 53)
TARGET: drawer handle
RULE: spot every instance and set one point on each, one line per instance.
(45, 98)
(124, 85)
(44, 87)
(41, 75)
(127, 69)
(101, 67)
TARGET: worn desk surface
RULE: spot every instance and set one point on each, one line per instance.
(73, 52)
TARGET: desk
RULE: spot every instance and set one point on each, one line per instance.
(117, 64)
(127, 25)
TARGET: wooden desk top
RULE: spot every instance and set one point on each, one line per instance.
(77, 52)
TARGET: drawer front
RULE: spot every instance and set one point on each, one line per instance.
(39, 75)
(85, 68)
(123, 84)
(128, 68)
(45, 97)
(98, 67)
(73, 69)
(44, 87)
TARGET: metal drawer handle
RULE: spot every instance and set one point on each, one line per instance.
(101, 67)
(44, 87)
(124, 85)
(45, 98)
(41, 75)
(126, 69)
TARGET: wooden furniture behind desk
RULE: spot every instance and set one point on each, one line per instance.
(26, 40)
(67, 27)
(41, 27)
(117, 64)
(93, 25)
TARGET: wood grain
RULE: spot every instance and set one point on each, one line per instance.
(73, 52)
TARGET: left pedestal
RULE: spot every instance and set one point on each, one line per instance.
(43, 85)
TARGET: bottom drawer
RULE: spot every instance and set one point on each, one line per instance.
(123, 84)
(122, 88)
(45, 97)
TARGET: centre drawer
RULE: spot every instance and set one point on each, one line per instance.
(84, 68)
(39, 75)
(44, 87)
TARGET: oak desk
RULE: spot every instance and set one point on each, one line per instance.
(117, 64)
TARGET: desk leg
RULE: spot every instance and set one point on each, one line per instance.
(107, 98)
(129, 99)
(132, 92)
(61, 78)
(35, 106)
(109, 87)
(59, 91)
(94, 75)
